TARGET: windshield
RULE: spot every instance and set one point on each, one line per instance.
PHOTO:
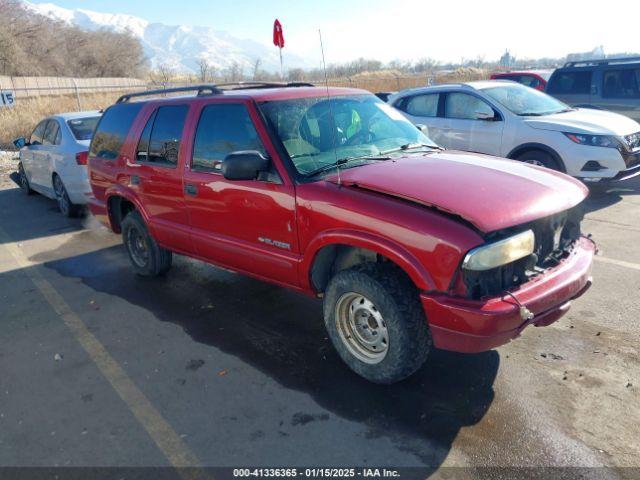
(82, 128)
(317, 132)
(523, 100)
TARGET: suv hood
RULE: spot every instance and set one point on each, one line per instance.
(586, 120)
(490, 193)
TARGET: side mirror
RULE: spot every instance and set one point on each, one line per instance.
(423, 128)
(19, 142)
(244, 165)
(486, 116)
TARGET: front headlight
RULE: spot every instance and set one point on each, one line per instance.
(593, 140)
(500, 253)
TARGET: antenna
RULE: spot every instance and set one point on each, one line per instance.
(333, 122)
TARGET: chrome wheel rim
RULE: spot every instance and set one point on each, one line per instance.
(362, 328)
(535, 162)
(61, 196)
(138, 247)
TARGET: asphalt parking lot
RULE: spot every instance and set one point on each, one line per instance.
(99, 367)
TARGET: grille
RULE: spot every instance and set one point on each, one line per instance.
(633, 140)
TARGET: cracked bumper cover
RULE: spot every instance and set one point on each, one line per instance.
(469, 326)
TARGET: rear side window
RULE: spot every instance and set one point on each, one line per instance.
(423, 105)
(621, 83)
(465, 107)
(112, 130)
(161, 136)
(82, 128)
(38, 133)
(223, 128)
(570, 82)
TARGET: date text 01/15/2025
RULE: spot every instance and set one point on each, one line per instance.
(316, 472)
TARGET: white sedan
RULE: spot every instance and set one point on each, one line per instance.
(54, 160)
(510, 120)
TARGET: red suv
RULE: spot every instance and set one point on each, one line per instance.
(335, 194)
(531, 78)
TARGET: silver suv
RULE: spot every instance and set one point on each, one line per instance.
(609, 84)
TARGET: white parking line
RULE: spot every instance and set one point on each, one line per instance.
(620, 263)
(162, 434)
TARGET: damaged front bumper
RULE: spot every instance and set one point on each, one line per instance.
(469, 326)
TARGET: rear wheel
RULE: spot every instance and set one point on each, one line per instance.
(376, 322)
(65, 206)
(24, 181)
(147, 257)
(539, 158)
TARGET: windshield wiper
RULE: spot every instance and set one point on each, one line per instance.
(343, 161)
(411, 146)
(531, 114)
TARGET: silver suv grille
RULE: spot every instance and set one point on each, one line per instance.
(633, 140)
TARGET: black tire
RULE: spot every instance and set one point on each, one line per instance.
(540, 158)
(147, 257)
(68, 209)
(395, 297)
(24, 181)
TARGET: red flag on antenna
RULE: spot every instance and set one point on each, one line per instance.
(278, 37)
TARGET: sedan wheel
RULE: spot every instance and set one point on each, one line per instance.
(64, 204)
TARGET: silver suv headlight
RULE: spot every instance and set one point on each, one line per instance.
(500, 253)
(593, 140)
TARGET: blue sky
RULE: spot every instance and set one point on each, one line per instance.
(403, 29)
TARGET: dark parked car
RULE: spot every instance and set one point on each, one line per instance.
(610, 84)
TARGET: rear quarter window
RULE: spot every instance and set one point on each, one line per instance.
(112, 130)
(622, 83)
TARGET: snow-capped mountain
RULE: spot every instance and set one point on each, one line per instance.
(177, 46)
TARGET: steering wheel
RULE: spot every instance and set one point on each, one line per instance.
(366, 136)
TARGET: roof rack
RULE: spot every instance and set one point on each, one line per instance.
(200, 89)
(212, 89)
(601, 61)
(250, 84)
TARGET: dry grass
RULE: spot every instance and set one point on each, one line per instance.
(27, 112)
(391, 81)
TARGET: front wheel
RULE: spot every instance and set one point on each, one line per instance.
(539, 158)
(147, 257)
(376, 322)
(24, 181)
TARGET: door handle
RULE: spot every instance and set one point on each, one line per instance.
(135, 180)
(190, 189)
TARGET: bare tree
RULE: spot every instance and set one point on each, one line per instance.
(235, 72)
(204, 67)
(163, 74)
(32, 44)
(256, 68)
